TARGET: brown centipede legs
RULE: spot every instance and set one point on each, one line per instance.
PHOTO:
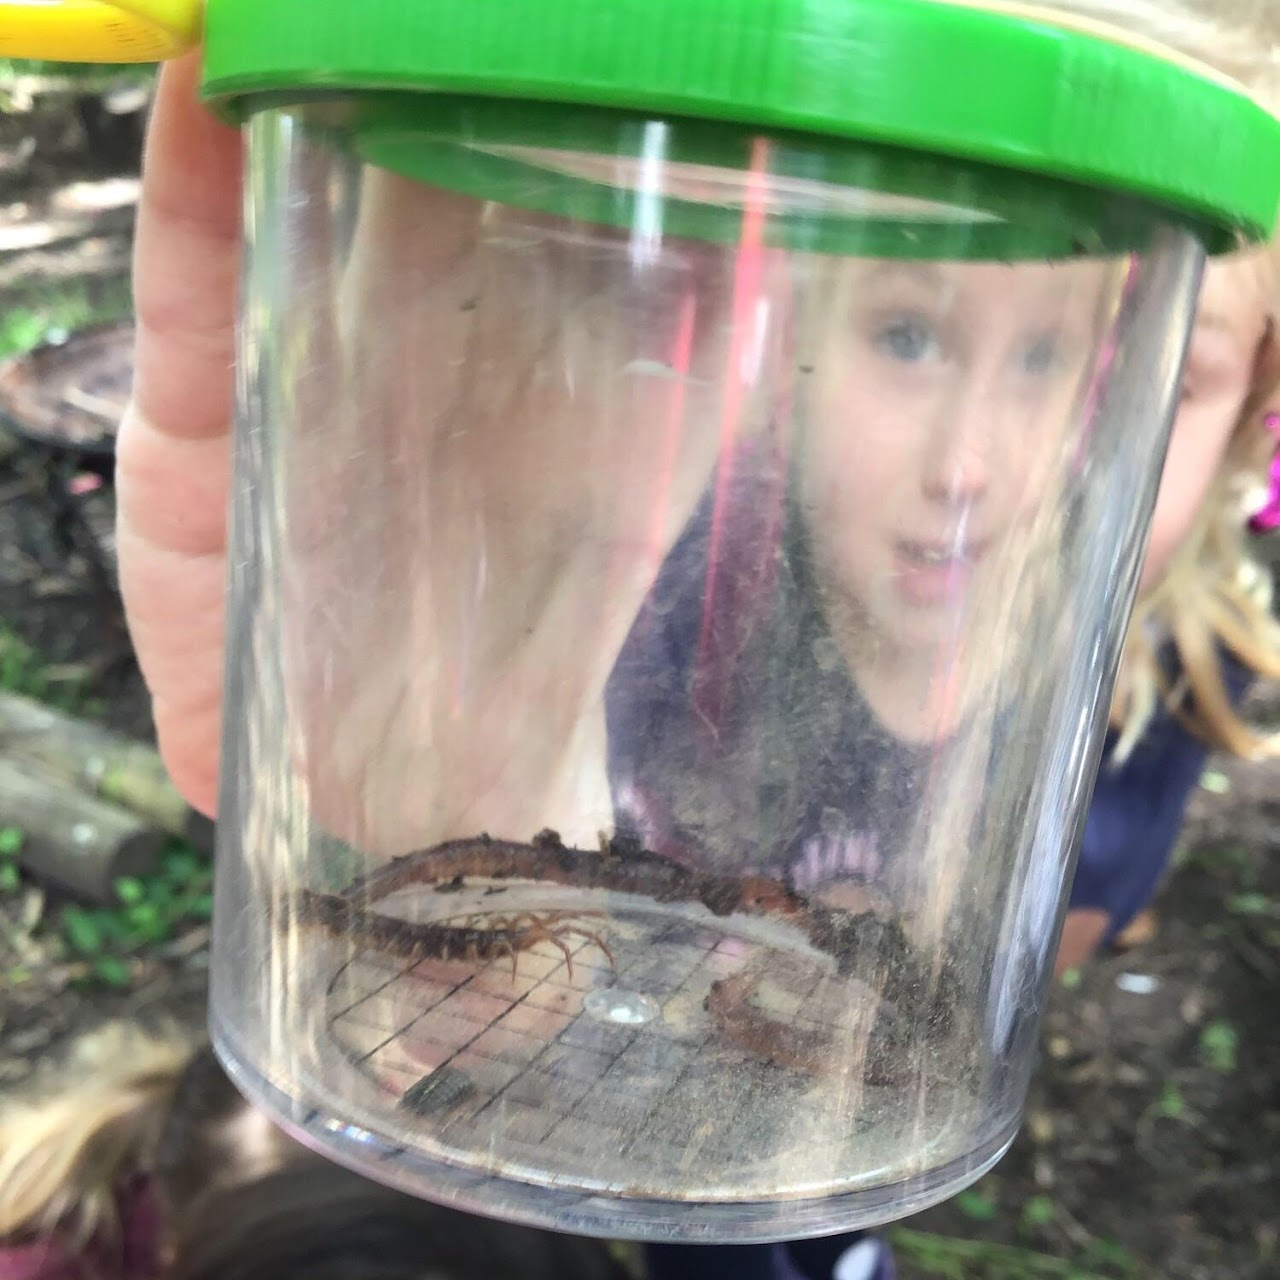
(482, 937)
(547, 926)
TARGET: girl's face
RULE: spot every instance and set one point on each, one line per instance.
(1222, 364)
(937, 413)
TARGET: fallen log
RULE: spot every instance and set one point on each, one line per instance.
(100, 763)
(75, 841)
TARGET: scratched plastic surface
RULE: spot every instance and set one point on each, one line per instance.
(664, 683)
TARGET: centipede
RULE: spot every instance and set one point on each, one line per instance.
(796, 1048)
(855, 941)
(411, 940)
(617, 867)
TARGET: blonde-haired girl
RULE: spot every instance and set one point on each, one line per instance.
(147, 1164)
(1203, 628)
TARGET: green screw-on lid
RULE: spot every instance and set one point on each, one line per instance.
(1011, 90)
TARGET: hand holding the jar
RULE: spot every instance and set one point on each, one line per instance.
(174, 443)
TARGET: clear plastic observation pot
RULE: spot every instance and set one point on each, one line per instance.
(693, 466)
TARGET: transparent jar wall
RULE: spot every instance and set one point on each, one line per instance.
(785, 589)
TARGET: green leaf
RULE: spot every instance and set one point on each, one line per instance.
(1218, 1045)
(150, 922)
(9, 878)
(1070, 979)
(202, 907)
(1110, 1256)
(130, 891)
(1249, 904)
(161, 894)
(113, 926)
(112, 970)
(182, 865)
(973, 1204)
(144, 914)
(82, 930)
(10, 841)
(1171, 1104)
(22, 329)
(1039, 1211)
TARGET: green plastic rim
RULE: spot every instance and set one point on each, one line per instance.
(1012, 94)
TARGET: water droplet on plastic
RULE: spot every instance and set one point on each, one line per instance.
(624, 1008)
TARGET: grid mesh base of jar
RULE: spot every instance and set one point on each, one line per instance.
(569, 1071)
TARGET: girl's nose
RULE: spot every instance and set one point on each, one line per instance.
(959, 462)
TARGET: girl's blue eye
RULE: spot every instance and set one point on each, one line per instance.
(909, 340)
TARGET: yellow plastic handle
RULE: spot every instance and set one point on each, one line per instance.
(99, 30)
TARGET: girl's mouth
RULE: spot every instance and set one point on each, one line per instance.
(935, 572)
